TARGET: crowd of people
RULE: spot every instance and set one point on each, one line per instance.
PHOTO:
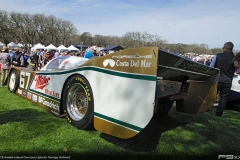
(40, 57)
(226, 62)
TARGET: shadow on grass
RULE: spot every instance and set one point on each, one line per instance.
(18, 115)
(148, 138)
(191, 134)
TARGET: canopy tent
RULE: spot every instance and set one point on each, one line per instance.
(100, 49)
(12, 45)
(20, 45)
(1, 44)
(51, 47)
(81, 47)
(113, 48)
(62, 48)
(72, 48)
(38, 46)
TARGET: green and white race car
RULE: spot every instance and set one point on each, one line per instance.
(118, 93)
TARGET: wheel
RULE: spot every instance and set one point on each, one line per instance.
(163, 106)
(78, 102)
(13, 81)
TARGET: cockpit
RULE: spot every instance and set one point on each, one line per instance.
(64, 62)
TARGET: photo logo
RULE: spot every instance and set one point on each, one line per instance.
(111, 62)
(41, 81)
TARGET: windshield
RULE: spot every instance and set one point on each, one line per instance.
(55, 63)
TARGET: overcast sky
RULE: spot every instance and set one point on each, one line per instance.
(212, 22)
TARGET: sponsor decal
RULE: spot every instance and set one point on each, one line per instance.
(111, 62)
(29, 95)
(41, 81)
(24, 93)
(64, 64)
(128, 63)
(19, 91)
(48, 103)
(131, 56)
(133, 61)
(34, 97)
(52, 93)
(193, 66)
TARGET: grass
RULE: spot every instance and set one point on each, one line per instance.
(28, 130)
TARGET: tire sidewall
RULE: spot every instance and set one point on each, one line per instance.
(87, 120)
(16, 81)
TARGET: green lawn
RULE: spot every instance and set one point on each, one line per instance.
(28, 130)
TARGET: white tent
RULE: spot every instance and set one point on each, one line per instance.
(62, 48)
(20, 45)
(12, 45)
(51, 47)
(37, 46)
(72, 48)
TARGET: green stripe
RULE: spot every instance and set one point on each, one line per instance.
(126, 125)
(112, 72)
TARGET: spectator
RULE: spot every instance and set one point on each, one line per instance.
(33, 61)
(5, 63)
(47, 58)
(55, 54)
(91, 53)
(106, 52)
(18, 59)
(223, 61)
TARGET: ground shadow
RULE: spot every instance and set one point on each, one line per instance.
(234, 107)
(148, 138)
(18, 115)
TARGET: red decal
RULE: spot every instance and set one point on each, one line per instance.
(41, 81)
(65, 63)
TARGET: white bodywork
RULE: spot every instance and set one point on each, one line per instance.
(235, 83)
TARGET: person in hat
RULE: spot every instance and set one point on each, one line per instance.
(5, 64)
(91, 53)
(18, 59)
(47, 57)
(33, 61)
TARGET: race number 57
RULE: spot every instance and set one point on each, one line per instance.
(24, 79)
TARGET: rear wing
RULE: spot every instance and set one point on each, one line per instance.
(202, 79)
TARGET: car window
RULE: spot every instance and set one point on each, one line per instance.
(55, 63)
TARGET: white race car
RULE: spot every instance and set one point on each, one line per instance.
(117, 93)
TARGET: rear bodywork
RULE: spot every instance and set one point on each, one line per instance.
(125, 85)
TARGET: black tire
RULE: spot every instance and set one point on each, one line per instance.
(163, 106)
(13, 81)
(78, 104)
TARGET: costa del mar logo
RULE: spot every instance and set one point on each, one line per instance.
(111, 62)
(41, 81)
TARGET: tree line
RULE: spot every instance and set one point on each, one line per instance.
(29, 29)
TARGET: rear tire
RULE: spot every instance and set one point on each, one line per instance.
(78, 102)
(13, 81)
(163, 106)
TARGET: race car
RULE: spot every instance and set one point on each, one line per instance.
(234, 96)
(119, 93)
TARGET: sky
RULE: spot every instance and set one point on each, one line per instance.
(212, 22)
